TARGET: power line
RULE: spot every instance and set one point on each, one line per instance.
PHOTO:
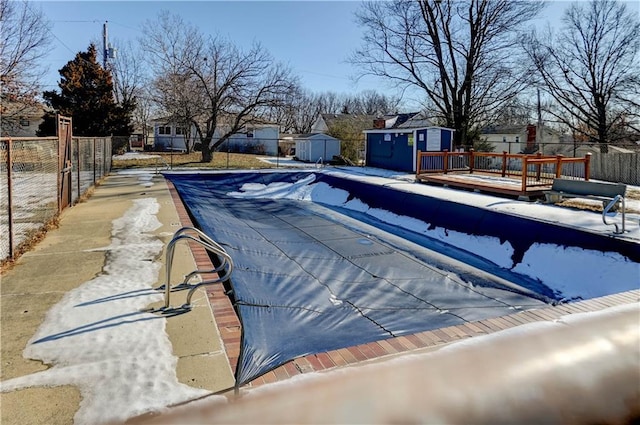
(47, 27)
(125, 26)
(76, 22)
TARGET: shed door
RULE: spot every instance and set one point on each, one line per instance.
(64, 162)
(402, 157)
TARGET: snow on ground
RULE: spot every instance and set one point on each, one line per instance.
(572, 273)
(98, 339)
(34, 201)
(128, 156)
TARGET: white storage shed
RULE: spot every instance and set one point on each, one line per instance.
(316, 146)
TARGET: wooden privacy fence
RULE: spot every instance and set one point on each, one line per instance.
(532, 170)
(616, 167)
(40, 176)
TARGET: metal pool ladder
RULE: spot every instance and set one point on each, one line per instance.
(225, 267)
(608, 207)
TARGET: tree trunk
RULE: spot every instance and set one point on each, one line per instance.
(207, 153)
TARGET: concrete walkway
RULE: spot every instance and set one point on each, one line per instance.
(65, 259)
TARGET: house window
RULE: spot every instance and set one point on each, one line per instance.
(180, 130)
(249, 133)
(24, 122)
(517, 139)
(164, 129)
(504, 139)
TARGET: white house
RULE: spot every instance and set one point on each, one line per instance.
(518, 138)
(168, 136)
(253, 138)
(19, 119)
(314, 147)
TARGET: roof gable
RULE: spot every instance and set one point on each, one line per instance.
(315, 136)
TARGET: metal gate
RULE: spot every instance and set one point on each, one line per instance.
(64, 162)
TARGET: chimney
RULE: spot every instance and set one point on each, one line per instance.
(379, 123)
(531, 136)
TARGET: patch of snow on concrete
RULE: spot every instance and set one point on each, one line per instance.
(129, 156)
(97, 339)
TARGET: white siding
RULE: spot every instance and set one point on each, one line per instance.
(316, 147)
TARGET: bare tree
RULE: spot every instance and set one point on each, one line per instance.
(23, 42)
(591, 68)
(298, 111)
(145, 107)
(370, 102)
(518, 111)
(181, 97)
(460, 54)
(128, 72)
(232, 86)
(301, 108)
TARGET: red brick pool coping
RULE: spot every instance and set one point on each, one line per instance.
(229, 326)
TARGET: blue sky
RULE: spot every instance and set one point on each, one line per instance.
(313, 37)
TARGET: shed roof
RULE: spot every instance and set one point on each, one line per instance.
(322, 136)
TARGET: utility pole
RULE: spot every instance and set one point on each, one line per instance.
(108, 52)
(539, 132)
(105, 49)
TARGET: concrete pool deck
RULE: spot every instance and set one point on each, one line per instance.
(66, 258)
(206, 344)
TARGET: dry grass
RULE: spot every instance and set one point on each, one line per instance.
(221, 160)
(632, 193)
(30, 241)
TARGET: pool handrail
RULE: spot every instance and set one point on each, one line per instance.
(610, 205)
(226, 263)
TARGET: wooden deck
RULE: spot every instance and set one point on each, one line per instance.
(485, 182)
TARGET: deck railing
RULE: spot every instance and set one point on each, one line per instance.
(533, 170)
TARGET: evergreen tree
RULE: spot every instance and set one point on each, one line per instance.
(86, 95)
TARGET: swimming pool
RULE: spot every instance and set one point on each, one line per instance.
(320, 264)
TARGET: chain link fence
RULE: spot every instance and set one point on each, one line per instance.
(30, 183)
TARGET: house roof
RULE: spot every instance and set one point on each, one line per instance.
(366, 121)
(29, 110)
(313, 136)
(224, 120)
(504, 129)
(410, 121)
(332, 119)
(512, 129)
(416, 120)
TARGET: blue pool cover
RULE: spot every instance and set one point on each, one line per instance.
(309, 278)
